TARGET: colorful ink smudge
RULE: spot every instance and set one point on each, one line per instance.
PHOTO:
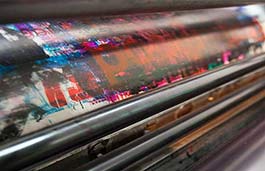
(51, 71)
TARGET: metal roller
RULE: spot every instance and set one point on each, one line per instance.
(19, 10)
(97, 124)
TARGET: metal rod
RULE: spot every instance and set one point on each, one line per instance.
(247, 150)
(41, 145)
(17, 10)
(138, 149)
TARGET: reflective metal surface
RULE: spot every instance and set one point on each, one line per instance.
(124, 156)
(84, 78)
(87, 128)
(55, 70)
(38, 9)
(245, 153)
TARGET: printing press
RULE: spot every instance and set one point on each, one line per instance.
(140, 85)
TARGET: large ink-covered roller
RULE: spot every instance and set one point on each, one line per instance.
(84, 86)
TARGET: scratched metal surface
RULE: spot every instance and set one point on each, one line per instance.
(54, 70)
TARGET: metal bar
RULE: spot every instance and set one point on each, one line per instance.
(138, 149)
(238, 120)
(19, 10)
(244, 153)
(76, 132)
